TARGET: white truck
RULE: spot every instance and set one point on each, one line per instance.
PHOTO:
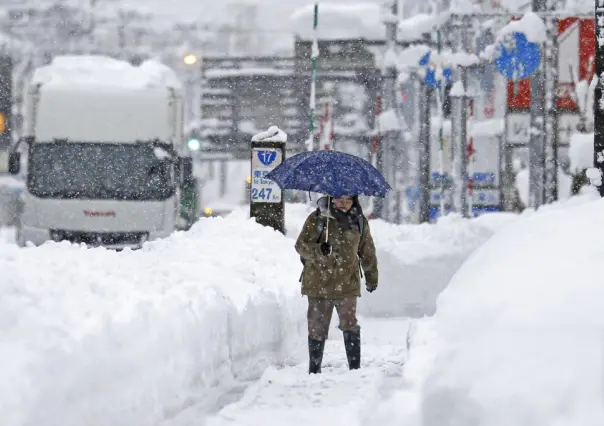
(104, 145)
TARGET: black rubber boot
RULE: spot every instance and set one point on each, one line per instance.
(315, 355)
(352, 343)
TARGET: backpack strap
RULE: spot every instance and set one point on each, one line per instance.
(361, 228)
(320, 224)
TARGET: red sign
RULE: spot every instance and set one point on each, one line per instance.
(576, 53)
(91, 213)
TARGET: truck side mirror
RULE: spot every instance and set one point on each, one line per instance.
(14, 163)
(186, 171)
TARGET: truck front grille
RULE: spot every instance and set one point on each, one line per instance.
(105, 239)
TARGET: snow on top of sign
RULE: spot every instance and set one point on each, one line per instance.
(104, 71)
(410, 56)
(530, 25)
(340, 21)
(581, 151)
(457, 89)
(273, 134)
(414, 28)
(489, 52)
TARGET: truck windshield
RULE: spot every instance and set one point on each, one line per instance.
(72, 170)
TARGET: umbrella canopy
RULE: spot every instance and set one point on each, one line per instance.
(330, 172)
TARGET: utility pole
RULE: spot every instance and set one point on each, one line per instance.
(387, 149)
(459, 123)
(537, 128)
(550, 110)
(598, 112)
(92, 26)
(425, 127)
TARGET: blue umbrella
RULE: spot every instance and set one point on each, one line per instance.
(330, 172)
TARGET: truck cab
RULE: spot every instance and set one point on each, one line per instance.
(103, 149)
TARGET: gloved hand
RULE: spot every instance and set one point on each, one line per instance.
(326, 248)
(370, 287)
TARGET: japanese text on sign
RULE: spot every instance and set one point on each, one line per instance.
(263, 190)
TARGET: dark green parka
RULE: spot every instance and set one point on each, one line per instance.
(336, 276)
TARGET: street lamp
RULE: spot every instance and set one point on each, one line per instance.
(190, 59)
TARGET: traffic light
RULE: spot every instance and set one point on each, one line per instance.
(194, 144)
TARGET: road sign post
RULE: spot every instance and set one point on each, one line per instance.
(267, 203)
(598, 112)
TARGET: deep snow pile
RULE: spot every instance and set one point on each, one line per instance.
(90, 336)
(517, 335)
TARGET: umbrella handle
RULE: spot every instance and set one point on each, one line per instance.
(327, 224)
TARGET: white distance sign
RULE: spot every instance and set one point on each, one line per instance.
(263, 190)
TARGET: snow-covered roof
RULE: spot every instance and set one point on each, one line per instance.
(104, 71)
(245, 72)
(464, 7)
(414, 28)
(340, 22)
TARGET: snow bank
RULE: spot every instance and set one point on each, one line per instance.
(417, 261)
(104, 71)
(517, 336)
(581, 151)
(522, 183)
(340, 21)
(90, 336)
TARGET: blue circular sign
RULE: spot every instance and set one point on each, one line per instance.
(516, 57)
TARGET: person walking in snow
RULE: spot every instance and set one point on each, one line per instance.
(335, 242)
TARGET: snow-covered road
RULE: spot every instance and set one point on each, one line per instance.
(206, 327)
(290, 396)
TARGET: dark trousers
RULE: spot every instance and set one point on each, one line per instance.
(320, 311)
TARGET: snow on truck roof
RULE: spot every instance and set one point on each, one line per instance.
(103, 71)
